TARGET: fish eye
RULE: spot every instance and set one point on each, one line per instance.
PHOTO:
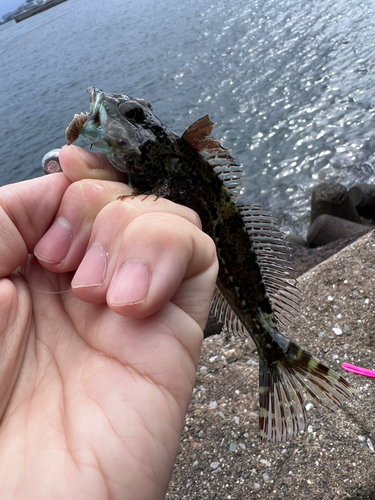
(132, 111)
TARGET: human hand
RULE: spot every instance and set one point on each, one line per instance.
(96, 373)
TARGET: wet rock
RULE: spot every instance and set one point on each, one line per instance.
(333, 199)
(327, 228)
(363, 198)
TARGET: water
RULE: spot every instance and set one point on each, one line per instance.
(290, 84)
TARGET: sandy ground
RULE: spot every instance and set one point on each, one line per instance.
(220, 454)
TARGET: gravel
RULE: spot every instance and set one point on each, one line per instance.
(220, 454)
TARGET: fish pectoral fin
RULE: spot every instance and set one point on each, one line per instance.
(282, 413)
(159, 191)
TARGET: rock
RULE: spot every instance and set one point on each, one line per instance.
(363, 198)
(305, 258)
(327, 228)
(333, 199)
(213, 327)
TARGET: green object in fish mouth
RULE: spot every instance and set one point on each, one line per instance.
(256, 294)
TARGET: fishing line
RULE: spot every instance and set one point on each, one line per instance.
(22, 275)
(48, 291)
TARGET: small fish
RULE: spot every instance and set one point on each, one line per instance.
(256, 294)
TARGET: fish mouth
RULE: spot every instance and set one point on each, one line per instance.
(95, 126)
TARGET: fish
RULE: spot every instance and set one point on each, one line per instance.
(256, 293)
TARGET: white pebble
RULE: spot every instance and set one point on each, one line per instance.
(203, 369)
(212, 359)
(370, 445)
(213, 405)
(309, 406)
(237, 420)
(256, 486)
(265, 462)
(361, 438)
(214, 465)
(310, 428)
(265, 477)
(330, 298)
(337, 331)
(252, 362)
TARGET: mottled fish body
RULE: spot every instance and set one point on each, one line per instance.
(256, 293)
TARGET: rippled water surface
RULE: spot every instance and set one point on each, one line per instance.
(289, 83)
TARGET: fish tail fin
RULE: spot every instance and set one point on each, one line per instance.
(282, 412)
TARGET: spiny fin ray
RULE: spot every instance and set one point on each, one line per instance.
(199, 136)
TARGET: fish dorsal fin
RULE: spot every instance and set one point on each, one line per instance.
(273, 256)
(222, 311)
(199, 137)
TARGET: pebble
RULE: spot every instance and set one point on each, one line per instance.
(256, 486)
(252, 362)
(309, 406)
(265, 477)
(361, 438)
(213, 405)
(203, 369)
(265, 462)
(212, 359)
(321, 335)
(337, 331)
(232, 447)
(370, 445)
(237, 420)
(214, 465)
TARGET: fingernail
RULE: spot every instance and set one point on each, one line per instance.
(55, 244)
(95, 161)
(131, 284)
(93, 268)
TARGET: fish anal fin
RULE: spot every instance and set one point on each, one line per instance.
(224, 314)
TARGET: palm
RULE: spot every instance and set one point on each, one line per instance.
(93, 392)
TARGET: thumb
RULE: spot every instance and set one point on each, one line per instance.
(27, 209)
(78, 163)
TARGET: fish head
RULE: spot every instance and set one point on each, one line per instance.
(126, 129)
